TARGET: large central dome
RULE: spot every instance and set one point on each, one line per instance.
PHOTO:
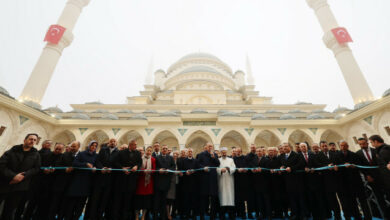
(201, 59)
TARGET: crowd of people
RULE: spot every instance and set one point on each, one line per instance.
(129, 182)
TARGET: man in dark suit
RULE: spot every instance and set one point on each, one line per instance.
(97, 202)
(368, 157)
(277, 189)
(61, 182)
(352, 186)
(241, 183)
(156, 147)
(313, 180)
(164, 162)
(262, 186)
(125, 183)
(331, 179)
(209, 181)
(252, 162)
(189, 184)
(292, 162)
(383, 157)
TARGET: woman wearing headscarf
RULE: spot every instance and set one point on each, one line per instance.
(81, 184)
(145, 185)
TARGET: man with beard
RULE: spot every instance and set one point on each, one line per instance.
(61, 182)
(226, 185)
(126, 182)
(189, 184)
(17, 167)
(209, 182)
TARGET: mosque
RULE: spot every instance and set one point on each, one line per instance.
(198, 99)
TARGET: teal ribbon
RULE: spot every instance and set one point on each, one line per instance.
(202, 169)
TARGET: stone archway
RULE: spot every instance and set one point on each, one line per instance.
(267, 138)
(100, 136)
(167, 138)
(65, 137)
(197, 141)
(234, 139)
(131, 135)
(331, 136)
(299, 136)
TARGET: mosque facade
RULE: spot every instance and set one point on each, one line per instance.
(198, 99)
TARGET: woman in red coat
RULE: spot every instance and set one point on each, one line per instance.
(145, 185)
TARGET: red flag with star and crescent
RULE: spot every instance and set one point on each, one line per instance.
(54, 34)
(342, 35)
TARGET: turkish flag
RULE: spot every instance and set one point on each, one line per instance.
(341, 35)
(54, 34)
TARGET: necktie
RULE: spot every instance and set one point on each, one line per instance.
(368, 156)
(306, 158)
(327, 154)
(286, 156)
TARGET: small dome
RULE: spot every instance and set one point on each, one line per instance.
(303, 103)
(125, 111)
(33, 104)
(259, 117)
(109, 117)
(4, 91)
(198, 111)
(319, 111)
(150, 111)
(238, 72)
(337, 117)
(100, 111)
(94, 103)
(341, 109)
(53, 110)
(296, 111)
(248, 111)
(273, 111)
(361, 105)
(386, 93)
(169, 114)
(287, 117)
(138, 117)
(81, 116)
(229, 113)
(315, 116)
(77, 111)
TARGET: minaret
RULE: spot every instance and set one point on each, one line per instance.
(149, 74)
(36, 85)
(249, 76)
(357, 84)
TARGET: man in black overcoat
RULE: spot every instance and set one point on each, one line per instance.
(126, 182)
(162, 178)
(383, 157)
(241, 183)
(209, 181)
(17, 168)
(189, 184)
(262, 179)
(252, 162)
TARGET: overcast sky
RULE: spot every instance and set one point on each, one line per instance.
(116, 39)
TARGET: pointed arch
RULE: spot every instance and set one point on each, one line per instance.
(65, 137)
(234, 138)
(299, 136)
(99, 135)
(267, 138)
(331, 136)
(197, 140)
(131, 135)
(167, 138)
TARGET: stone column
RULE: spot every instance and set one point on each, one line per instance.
(353, 76)
(36, 85)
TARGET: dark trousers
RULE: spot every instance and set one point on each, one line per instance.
(239, 201)
(205, 202)
(316, 204)
(263, 204)
(380, 197)
(123, 208)
(97, 202)
(11, 202)
(277, 204)
(189, 203)
(55, 202)
(74, 207)
(298, 204)
(160, 203)
(350, 205)
(226, 210)
(332, 204)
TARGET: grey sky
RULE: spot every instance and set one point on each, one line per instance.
(115, 40)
